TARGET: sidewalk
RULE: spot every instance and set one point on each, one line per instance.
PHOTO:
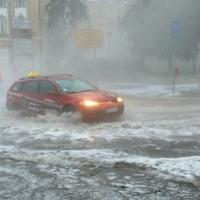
(153, 90)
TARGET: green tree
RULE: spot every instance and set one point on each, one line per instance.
(188, 46)
(148, 29)
(63, 16)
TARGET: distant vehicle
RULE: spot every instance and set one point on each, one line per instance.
(63, 93)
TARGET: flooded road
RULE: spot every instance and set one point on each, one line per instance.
(152, 152)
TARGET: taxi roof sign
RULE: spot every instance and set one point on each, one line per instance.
(33, 74)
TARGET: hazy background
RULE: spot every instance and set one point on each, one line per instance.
(118, 40)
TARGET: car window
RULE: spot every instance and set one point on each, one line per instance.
(46, 87)
(31, 87)
(17, 87)
(75, 85)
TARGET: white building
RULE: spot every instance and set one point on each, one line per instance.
(4, 32)
(4, 17)
(14, 18)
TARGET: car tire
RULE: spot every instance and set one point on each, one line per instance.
(69, 109)
(24, 105)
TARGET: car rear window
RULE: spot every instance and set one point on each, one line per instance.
(16, 87)
(31, 87)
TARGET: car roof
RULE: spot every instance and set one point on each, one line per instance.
(52, 77)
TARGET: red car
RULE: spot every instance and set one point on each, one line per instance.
(63, 93)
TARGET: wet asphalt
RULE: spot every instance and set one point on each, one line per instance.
(35, 162)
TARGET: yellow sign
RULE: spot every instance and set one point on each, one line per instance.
(89, 38)
(32, 75)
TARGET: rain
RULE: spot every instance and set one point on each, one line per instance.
(144, 54)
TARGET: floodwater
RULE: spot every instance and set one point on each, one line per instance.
(152, 152)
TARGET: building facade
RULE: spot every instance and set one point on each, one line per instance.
(21, 33)
(4, 33)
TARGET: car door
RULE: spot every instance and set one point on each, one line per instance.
(49, 95)
(30, 95)
(30, 89)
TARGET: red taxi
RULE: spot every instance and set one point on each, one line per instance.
(63, 93)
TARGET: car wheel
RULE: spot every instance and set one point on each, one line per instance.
(69, 109)
(24, 105)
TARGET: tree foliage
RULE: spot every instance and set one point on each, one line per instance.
(149, 32)
(63, 16)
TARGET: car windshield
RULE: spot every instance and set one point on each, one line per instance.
(75, 85)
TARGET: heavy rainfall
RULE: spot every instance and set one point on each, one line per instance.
(145, 51)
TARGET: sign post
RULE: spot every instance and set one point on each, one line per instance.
(175, 35)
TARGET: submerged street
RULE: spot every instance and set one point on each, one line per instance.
(138, 60)
(152, 152)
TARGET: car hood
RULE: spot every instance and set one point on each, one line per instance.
(96, 95)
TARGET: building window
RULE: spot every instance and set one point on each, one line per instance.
(3, 3)
(21, 3)
(3, 25)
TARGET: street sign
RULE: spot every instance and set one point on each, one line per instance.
(175, 30)
(89, 38)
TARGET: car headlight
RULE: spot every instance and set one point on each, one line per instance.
(119, 99)
(89, 103)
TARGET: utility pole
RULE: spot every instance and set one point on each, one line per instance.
(12, 57)
(40, 33)
(175, 35)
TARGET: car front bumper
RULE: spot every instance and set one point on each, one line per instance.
(103, 113)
